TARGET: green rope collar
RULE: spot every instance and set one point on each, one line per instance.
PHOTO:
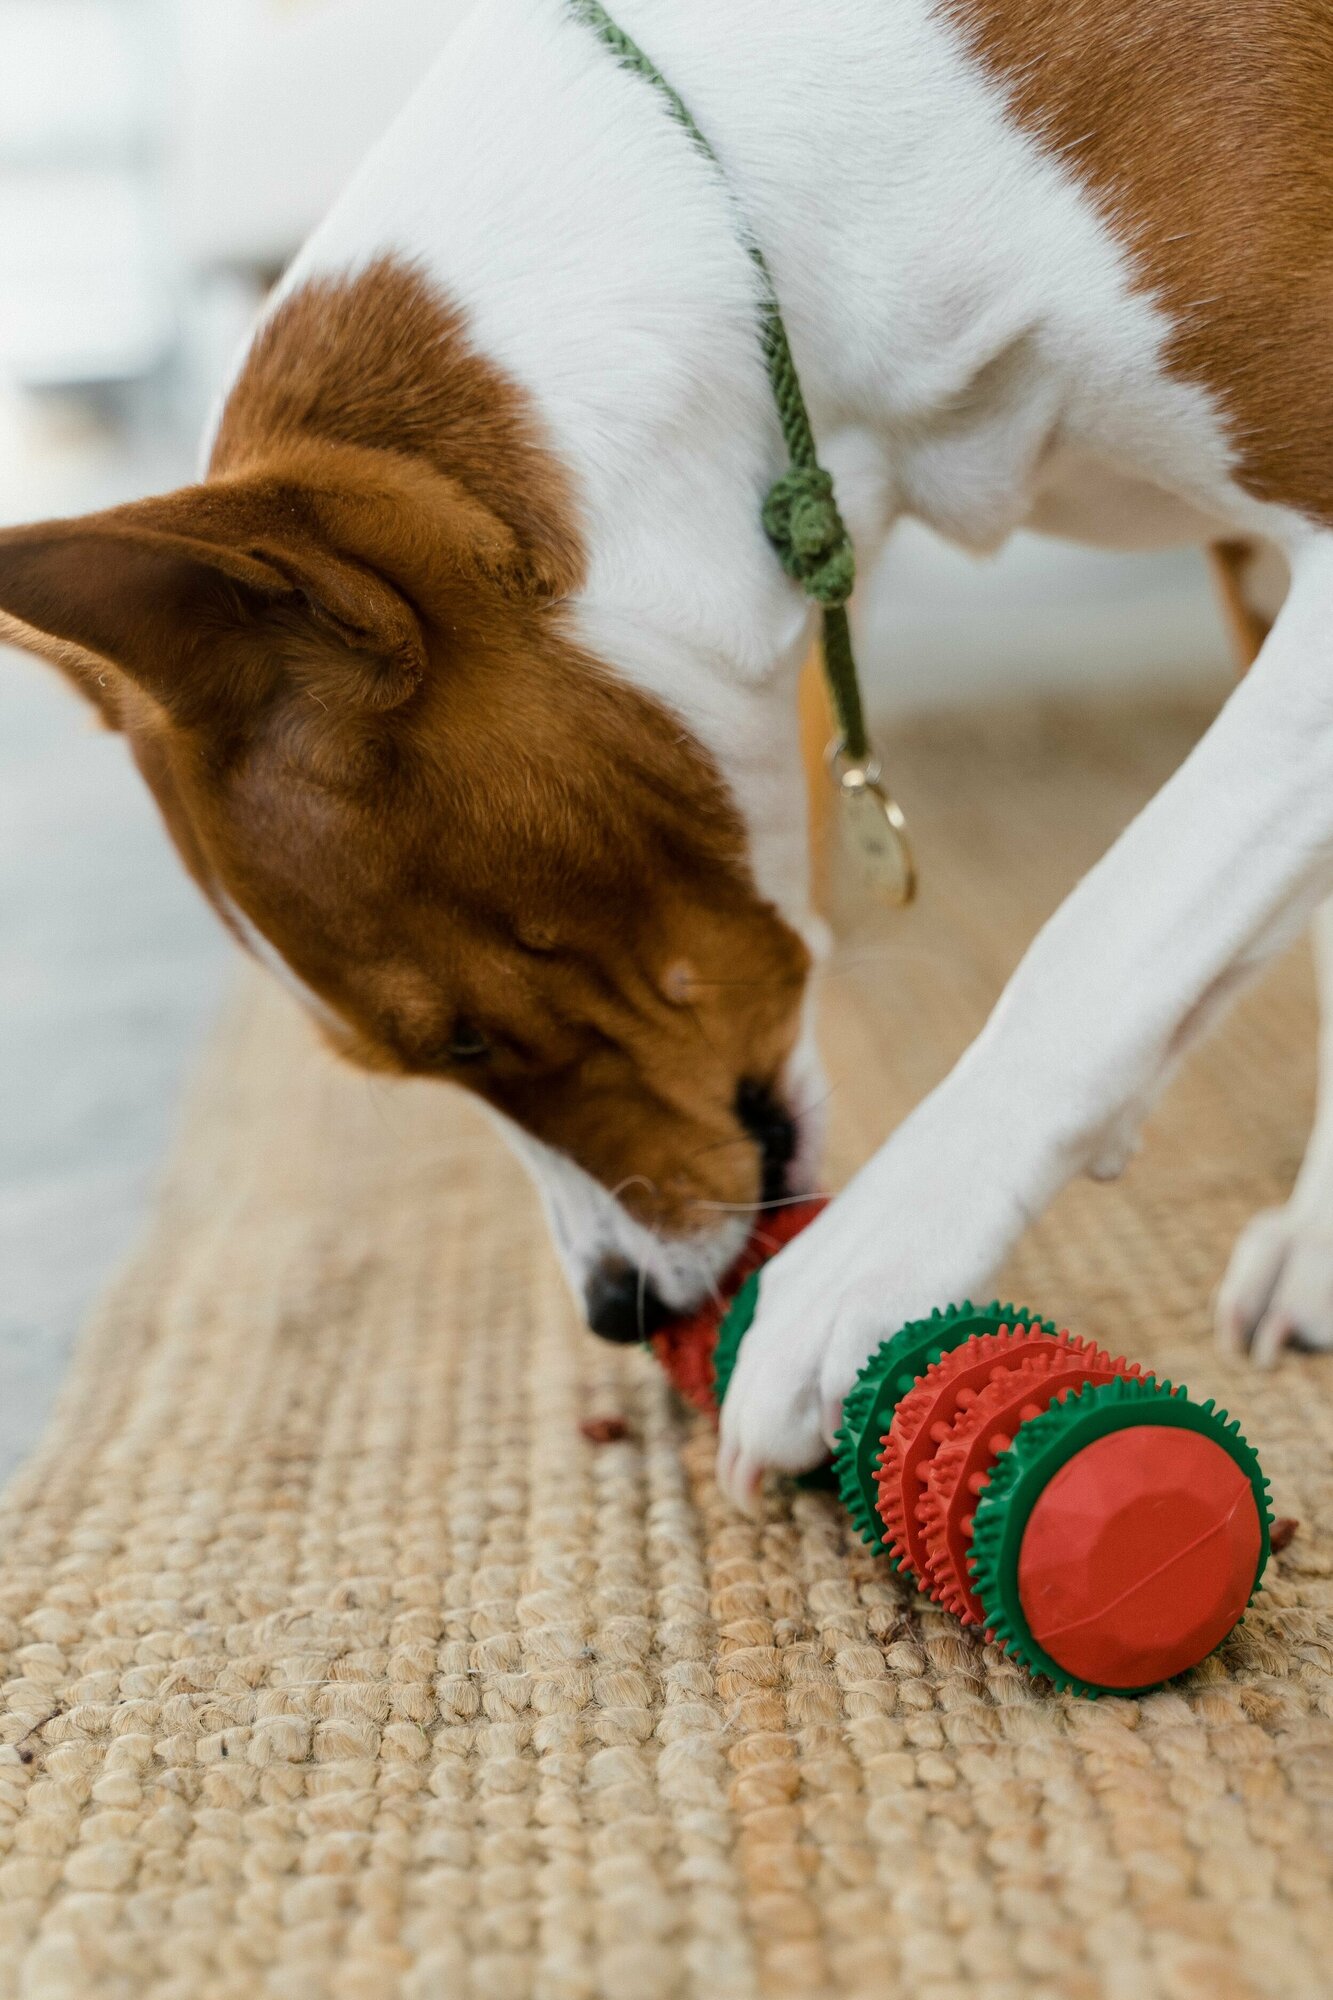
(800, 515)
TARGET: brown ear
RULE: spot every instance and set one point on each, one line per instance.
(155, 589)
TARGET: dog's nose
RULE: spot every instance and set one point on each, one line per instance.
(621, 1304)
(773, 1129)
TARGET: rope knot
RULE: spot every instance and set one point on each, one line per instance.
(802, 521)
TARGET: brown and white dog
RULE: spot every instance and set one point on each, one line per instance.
(465, 676)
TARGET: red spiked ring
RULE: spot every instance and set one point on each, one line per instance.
(961, 1466)
(923, 1420)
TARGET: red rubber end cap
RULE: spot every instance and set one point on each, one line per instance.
(684, 1350)
(685, 1346)
(1140, 1556)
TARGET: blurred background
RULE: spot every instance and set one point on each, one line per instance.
(160, 160)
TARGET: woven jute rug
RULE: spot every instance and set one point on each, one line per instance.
(340, 1664)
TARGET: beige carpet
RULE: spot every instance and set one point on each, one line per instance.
(338, 1663)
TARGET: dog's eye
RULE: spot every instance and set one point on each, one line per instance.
(467, 1044)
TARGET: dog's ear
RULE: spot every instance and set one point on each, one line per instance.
(159, 591)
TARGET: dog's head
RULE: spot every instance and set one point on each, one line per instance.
(478, 853)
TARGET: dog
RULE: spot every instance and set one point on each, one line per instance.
(465, 676)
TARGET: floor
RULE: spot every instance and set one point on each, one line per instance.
(367, 1628)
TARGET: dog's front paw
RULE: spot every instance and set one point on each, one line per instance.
(800, 1357)
(1278, 1290)
(825, 1304)
(897, 1242)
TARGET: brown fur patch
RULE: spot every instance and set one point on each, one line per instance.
(384, 364)
(345, 674)
(1203, 131)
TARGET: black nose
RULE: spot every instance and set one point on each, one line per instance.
(773, 1129)
(621, 1304)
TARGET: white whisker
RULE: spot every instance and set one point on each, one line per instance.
(761, 1207)
(633, 1180)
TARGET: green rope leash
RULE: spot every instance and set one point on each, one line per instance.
(800, 515)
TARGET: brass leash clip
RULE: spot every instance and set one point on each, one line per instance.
(874, 827)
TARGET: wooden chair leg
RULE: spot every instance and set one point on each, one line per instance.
(1247, 627)
(817, 731)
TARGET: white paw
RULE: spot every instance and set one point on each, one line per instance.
(800, 1357)
(895, 1244)
(1278, 1290)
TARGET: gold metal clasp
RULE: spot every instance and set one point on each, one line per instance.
(874, 827)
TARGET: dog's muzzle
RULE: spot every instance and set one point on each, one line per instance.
(620, 1302)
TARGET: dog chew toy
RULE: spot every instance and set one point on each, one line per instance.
(1106, 1529)
(687, 1348)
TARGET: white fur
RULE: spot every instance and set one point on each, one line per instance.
(589, 1225)
(975, 353)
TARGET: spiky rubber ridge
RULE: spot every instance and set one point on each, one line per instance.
(1040, 1450)
(962, 1464)
(922, 1421)
(738, 1320)
(890, 1373)
(772, 1233)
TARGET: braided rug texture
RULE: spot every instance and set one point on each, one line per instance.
(338, 1664)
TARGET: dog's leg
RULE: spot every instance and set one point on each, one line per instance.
(1223, 868)
(1278, 1290)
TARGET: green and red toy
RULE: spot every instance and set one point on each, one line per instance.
(1105, 1528)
